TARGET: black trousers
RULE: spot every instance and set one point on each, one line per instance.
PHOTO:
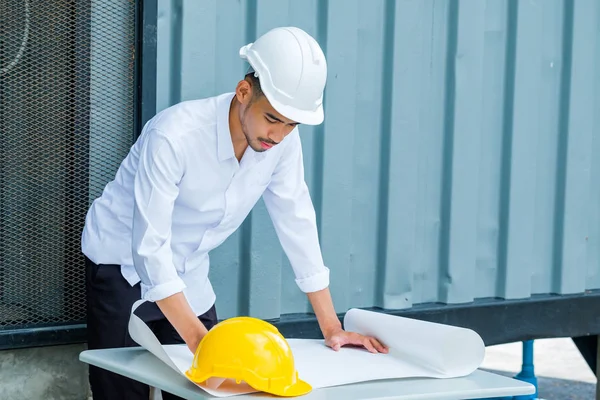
(109, 300)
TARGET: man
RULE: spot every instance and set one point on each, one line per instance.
(189, 181)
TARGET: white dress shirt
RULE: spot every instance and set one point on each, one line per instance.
(180, 192)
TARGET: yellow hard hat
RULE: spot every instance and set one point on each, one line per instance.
(250, 350)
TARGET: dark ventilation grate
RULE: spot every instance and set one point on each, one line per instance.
(66, 122)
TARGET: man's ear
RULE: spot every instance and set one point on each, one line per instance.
(243, 91)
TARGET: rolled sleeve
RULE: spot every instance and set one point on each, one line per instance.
(314, 283)
(156, 188)
(290, 207)
(162, 291)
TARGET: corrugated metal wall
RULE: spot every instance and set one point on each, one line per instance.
(458, 160)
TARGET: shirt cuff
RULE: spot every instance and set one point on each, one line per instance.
(162, 291)
(314, 283)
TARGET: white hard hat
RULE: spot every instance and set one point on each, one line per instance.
(292, 71)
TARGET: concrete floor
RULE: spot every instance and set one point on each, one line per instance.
(45, 373)
(562, 372)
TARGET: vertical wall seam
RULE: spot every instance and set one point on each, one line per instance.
(562, 144)
(251, 17)
(176, 43)
(387, 88)
(507, 143)
(596, 129)
(448, 147)
(319, 130)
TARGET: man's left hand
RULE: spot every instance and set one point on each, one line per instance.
(340, 337)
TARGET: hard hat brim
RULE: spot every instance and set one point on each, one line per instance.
(299, 388)
(303, 117)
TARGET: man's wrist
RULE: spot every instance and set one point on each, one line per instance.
(194, 335)
(193, 338)
(323, 307)
(330, 328)
(186, 323)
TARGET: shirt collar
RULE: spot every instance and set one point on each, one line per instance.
(224, 144)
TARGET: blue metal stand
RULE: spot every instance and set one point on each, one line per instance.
(527, 373)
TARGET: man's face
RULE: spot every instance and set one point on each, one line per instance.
(262, 125)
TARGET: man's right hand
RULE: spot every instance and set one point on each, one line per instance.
(186, 323)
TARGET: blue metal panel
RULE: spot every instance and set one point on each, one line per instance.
(457, 160)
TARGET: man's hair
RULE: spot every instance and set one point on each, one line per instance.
(256, 89)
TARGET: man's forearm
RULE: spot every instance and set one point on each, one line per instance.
(180, 315)
(322, 305)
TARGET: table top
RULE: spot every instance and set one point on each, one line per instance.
(141, 365)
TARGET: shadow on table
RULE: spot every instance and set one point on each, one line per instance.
(558, 389)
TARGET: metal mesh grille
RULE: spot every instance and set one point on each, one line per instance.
(66, 122)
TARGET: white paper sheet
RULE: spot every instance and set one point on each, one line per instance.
(417, 349)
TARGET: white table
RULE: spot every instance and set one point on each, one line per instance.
(141, 365)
